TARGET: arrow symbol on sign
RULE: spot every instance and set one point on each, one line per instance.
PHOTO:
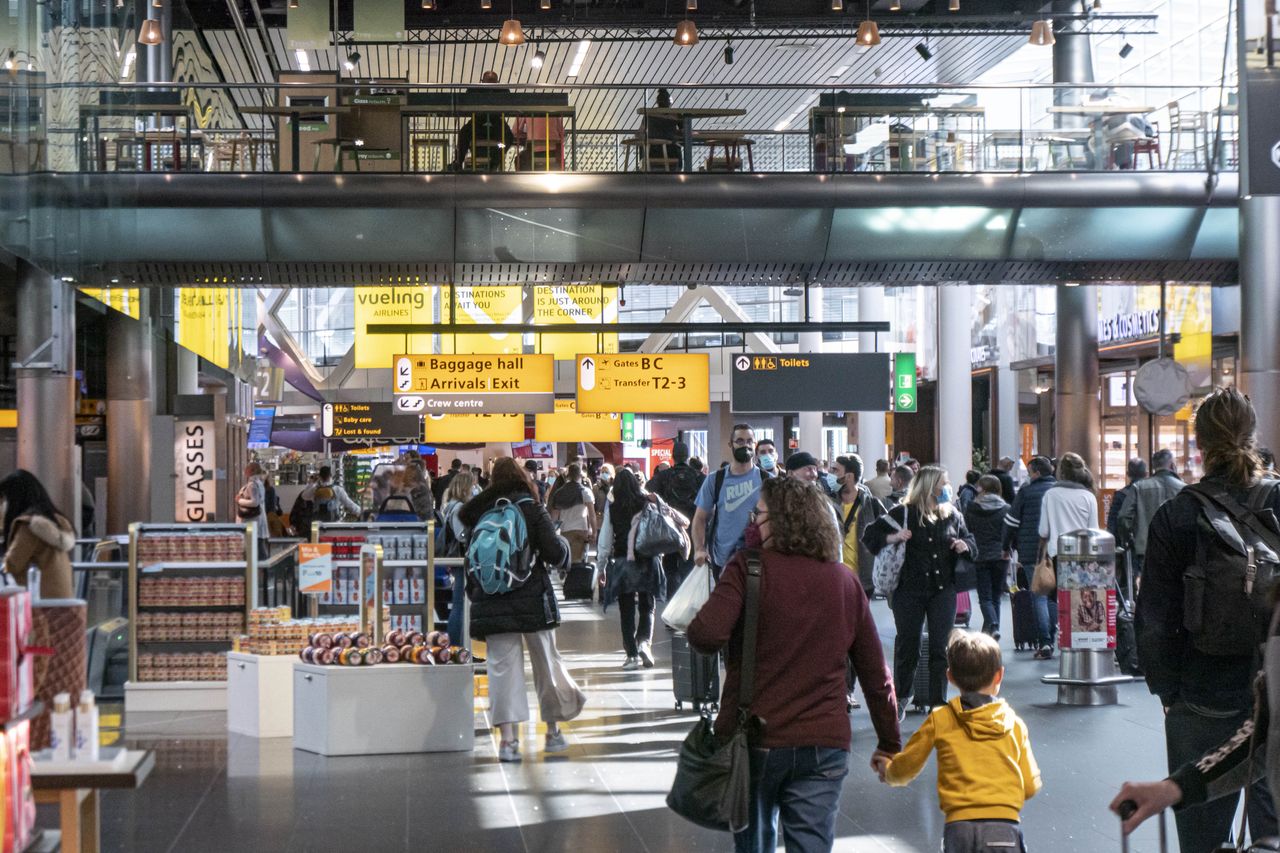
(410, 404)
(905, 401)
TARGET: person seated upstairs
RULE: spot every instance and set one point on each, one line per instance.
(485, 137)
(664, 135)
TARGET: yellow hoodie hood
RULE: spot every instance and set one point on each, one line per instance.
(989, 721)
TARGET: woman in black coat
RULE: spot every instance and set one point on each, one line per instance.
(985, 519)
(526, 616)
(935, 535)
(634, 583)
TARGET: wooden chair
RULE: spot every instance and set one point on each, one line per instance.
(1186, 124)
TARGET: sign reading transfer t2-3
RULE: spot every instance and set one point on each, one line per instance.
(632, 382)
(484, 384)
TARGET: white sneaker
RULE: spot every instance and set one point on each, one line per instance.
(646, 656)
(557, 742)
(632, 663)
(509, 751)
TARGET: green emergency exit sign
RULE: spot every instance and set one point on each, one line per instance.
(628, 427)
(904, 382)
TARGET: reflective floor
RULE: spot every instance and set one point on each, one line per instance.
(214, 792)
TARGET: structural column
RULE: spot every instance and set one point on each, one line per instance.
(129, 412)
(871, 437)
(810, 423)
(1075, 397)
(955, 382)
(46, 386)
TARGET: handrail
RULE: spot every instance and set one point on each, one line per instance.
(99, 567)
(471, 88)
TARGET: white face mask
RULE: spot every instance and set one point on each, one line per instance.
(768, 461)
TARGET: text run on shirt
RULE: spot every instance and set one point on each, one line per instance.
(737, 499)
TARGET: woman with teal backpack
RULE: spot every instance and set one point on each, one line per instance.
(513, 605)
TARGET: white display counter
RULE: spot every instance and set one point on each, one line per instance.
(260, 694)
(383, 709)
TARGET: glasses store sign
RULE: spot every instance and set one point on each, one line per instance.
(1133, 324)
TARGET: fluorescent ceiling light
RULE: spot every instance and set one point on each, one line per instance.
(304, 62)
(839, 72)
(580, 54)
(126, 70)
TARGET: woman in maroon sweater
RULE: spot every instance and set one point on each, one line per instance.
(813, 615)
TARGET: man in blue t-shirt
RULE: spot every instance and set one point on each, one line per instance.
(725, 502)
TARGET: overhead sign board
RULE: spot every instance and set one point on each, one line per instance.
(472, 429)
(204, 322)
(368, 422)
(904, 382)
(405, 305)
(484, 305)
(260, 428)
(469, 384)
(566, 424)
(669, 382)
(811, 382)
(593, 306)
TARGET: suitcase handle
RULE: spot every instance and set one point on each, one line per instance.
(1126, 810)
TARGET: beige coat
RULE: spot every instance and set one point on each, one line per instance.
(36, 540)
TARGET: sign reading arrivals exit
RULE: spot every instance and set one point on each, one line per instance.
(474, 384)
(809, 382)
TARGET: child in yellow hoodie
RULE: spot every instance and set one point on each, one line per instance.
(985, 767)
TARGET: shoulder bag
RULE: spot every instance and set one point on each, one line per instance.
(712, 787)
(887, 568)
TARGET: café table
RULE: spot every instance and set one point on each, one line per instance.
(1095, 112)
(686, 116)
(75, 791)
(91, 116)
(295, 114)
(466, 109)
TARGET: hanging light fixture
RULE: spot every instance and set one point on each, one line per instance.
(11, 62)
(544, 5)
(1042, 34)
(486, 5)
(868, 31)
(538, 58)
(157, 4)
(686, 33)
(954, 6)
(1126, 50)
(150, 33)
(428, 5)
(511, 32)
(837, 5)
(293, 4)
(895, 6)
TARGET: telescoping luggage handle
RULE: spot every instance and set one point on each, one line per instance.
(1127, 808)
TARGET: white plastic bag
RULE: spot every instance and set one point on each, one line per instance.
(689, 598)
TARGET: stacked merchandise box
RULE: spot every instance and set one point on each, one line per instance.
(17, 691)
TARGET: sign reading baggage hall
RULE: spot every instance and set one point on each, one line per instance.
(810, 382)
(566, 424)
(453, 384)
(668, 382)
(472, 429)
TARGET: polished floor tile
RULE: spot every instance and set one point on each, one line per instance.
(217, 792)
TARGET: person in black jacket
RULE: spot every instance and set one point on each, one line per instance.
(1003, 471)
(526, 616)
(1022, 535)
(1206, 697)
(633, 581)
(985, 519)
(935, 535)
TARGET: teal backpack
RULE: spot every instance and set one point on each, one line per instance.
(498, 555)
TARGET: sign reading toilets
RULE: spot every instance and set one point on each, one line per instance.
(390, 305)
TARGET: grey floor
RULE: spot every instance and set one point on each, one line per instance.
(214, 792)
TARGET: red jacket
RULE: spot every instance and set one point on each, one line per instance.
(812, 616)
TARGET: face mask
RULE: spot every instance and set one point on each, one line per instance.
(768, 461)
(945, 497)
(751, 536)
(742, 454)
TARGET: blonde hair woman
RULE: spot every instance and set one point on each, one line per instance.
(935, 535)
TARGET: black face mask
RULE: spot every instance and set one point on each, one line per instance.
(742, 455)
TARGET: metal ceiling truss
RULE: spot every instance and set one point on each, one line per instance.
(744, 30)
(1220, 272)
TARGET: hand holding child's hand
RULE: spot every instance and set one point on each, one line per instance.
(880, 763)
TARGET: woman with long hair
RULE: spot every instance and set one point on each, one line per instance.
(813, 617)
(935, 535)
(526, 616)
(572, 504)
(1069, 505)
(634, 582)
(36, 532)
(413, 482)
(460, 490)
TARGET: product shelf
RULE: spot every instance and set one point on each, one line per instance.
(190, 608)
(194, 565)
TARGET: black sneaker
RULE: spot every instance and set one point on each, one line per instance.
(1044, 653)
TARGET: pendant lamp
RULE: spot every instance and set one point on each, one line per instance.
(486, 5)
(686, 33)
(512, 34)
(150, 33)
(868, 33)
(1042, 34)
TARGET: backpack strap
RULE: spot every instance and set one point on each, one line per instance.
(1212, 496)
(750, 630)
(715, 512)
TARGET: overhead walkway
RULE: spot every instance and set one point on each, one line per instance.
(688, 228)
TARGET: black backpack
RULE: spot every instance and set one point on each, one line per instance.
(567, 496)
(1227, 590)
(681, 486)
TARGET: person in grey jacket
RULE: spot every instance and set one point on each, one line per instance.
(985, 519)
(1134, 517)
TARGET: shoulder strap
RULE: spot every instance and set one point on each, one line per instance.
(1218, 497)
(746, 684)
(720, 475)
(714, 521)
(850, 516)
(1260, 495)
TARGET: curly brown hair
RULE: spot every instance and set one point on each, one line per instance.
(800, 519)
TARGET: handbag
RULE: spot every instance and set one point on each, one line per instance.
(1045, 578)
(966, 573)
(887, 567)
(712, 787)
(658, 533)
(689, 598)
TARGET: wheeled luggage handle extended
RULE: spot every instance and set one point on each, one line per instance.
(1127, 809)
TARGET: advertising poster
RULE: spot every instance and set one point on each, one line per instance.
(390, 305)
(484, 305)
(196, 493)
(315, 568)
(1087, 618)
(584, 304)
(123, 299)
(204, 323)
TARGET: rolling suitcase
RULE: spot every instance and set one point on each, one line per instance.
(580, 582)
(1024, 620)
(964, 607)
(695, 677)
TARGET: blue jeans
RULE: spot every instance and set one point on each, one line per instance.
(1190, 731)
(802, 785)
(456, 606)
(983, 836)
(1046, 619)
(992, 581)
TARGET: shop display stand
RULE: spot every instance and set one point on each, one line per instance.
(183, 554)
(384, 709)
(361, 531)
(260, 695)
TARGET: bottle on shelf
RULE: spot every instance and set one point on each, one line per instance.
(86, 728)
(61, 731)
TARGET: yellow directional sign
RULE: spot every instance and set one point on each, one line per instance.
(409, 304)
(472, 429)
(452, 384)
(484, 305)
(592, 306)
(565, 424)
(665, 382)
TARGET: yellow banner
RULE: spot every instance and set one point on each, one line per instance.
(204, 322)
(390, 305)
(472, 429)
(584, 304)
(565, 424)
(483, 305)
(122, 299)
